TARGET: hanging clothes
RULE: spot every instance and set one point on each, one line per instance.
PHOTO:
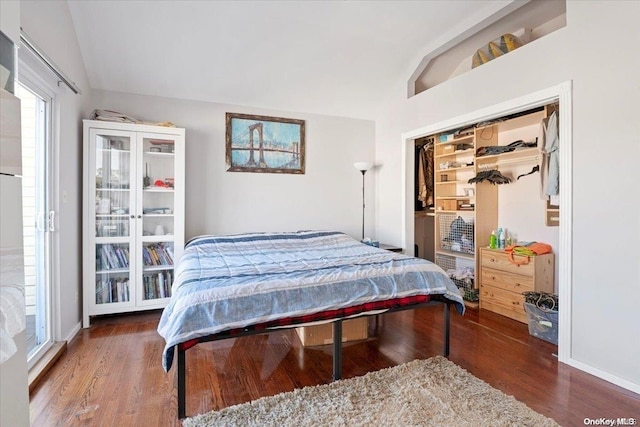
(550, 157)
(428, 155)
(425, 175)
(493, 176)
(422, 179)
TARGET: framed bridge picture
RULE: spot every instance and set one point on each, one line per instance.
(264, 144)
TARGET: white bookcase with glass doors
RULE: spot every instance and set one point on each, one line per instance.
(133, 215)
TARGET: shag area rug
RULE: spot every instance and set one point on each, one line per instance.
(432, 392)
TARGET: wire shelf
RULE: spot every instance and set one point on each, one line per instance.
(462, 272)
(456, 233)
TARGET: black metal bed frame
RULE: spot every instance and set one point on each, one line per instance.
(337, 345)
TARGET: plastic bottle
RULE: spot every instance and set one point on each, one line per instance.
(501, 239)
(493, 240)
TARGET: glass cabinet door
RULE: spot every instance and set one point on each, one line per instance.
(114, 199)
(158, 168)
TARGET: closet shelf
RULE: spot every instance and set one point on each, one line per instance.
(456, 254)
(454, 182)
(460, 211)
(461, 168)
(512, 155)
(455, 153)
(456, 140)
(454, 197)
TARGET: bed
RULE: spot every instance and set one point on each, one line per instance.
(245, 284)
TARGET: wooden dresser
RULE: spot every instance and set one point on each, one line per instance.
(502, 282)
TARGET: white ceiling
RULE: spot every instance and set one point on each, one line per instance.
(327, 57)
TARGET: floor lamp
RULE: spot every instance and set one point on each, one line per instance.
(363, 167)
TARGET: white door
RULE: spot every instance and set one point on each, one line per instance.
(38, 217)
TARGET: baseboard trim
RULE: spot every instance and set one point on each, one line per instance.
(74, 331)
(45, 363)
(628, 385)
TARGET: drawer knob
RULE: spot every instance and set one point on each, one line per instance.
(515, 303)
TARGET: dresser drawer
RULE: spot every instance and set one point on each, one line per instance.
(500, 261)
(507, 281)
(510, 304)
(512, 312)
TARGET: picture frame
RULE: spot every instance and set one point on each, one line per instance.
(264, 144)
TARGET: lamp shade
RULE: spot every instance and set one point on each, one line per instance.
(362, 166)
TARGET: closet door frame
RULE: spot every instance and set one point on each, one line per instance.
(562, 94)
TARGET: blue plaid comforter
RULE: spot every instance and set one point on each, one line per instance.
(227, 282)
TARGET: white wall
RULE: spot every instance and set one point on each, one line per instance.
(598, 52)
(49, 25)
(327, 196)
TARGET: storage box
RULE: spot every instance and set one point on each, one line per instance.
(445, 137)
(352, 330)
(543, 324)
(449, 205)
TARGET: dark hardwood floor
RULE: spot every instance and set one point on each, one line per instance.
(112, 374)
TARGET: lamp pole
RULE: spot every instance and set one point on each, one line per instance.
(363, 167)
(363, 172)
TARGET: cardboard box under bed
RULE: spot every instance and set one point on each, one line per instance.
(322, 334)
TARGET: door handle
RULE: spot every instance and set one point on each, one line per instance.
(52, 218)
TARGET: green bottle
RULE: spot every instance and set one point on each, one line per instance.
(493, 240)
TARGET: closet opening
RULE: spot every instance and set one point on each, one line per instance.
(498, 172)
(424, 198)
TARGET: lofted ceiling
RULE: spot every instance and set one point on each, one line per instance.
(327, 57)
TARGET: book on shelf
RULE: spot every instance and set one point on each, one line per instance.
(111, 257)
(157, 255)
(112, 290)
(169, 251)
(161, 289)
(146, 258)
(109, 261)
(158, 285)
(154, 255)
(121, 257)
(162, 255)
